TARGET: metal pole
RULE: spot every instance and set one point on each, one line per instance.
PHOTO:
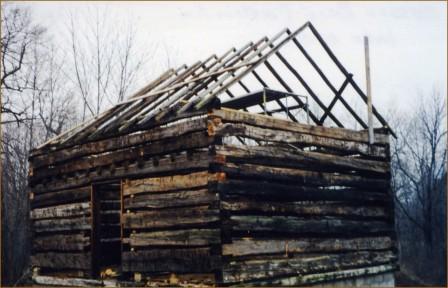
(369, 92)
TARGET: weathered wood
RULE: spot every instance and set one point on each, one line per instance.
(121, 142)
(171, 260)
(302, 176)
(191, 278)
(185, 142)
(306, 280)
(69, 282)
(232, 189)
(42, 198)
(169, 183)
(201, 215)
(297, 225)
(279, 136)
(175, 199)
(245, 271)
(61, 260)
(196, 161)
(246, 247)
(278, 156)
(66, 210)
(229, 115)
(70, 224)
(60, 242)
(243, 206)
(66, 273)
(190, 237)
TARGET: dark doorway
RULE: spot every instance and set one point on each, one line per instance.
(106, 228)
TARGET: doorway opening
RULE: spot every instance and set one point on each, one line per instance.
(106, 228)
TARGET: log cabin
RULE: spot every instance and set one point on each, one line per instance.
(232, 171)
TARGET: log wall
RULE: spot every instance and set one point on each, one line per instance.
(301, 204)
(228, 197)
(61, 182)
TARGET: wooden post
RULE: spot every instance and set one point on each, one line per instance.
(369, 91)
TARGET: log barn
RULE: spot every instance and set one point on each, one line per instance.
(235, 170)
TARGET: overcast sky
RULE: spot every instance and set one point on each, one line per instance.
(408, 40)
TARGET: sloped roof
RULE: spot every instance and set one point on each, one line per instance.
(192, 88)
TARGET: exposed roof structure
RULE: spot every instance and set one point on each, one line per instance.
(188, 89)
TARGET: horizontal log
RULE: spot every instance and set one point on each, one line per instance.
(70, 224)
(246, 247)
(168, 200)
(45, 197)
(244, 206)
(171, 260)
(288, 158)
(169, 183)
(331, 276)
(61, 260)
(66, 273)
(297, 225)
(206, 279)
(234, 189)
(200, 215)
(66, 210)
(66, 281)
(121, 142)
(198, 160)
(246, 271)
(185, 142)
(266, 173)
(60, 242)
(229, 115)
(191, 237)
(290, 137)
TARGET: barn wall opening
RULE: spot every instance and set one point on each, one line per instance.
(106, 227)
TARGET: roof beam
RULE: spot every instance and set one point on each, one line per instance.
(352, 82)
(308, 89)
(333, 89)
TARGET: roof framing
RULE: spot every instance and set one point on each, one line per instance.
(192, 88)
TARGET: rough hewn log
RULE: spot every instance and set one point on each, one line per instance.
(229, 115)
(296, 225)
(288, 158)
(61, 260)
(60, 242)
(326, 276)
(41, 198)
(185, 142)
(245, 271)
(66, 210)
(121, 142)
(176, 164)
(69, 282)
(207, 279)
(171, 260)
(70, 224)
(245, 247)
(175, 199)
(279, 136)
(301, 176)
(232, 189)
(190, 237)
(244, 206)
(200, 215)
(169, 183)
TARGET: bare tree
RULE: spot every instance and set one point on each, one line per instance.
(18, 35)
(419, 180)
(106, 58)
